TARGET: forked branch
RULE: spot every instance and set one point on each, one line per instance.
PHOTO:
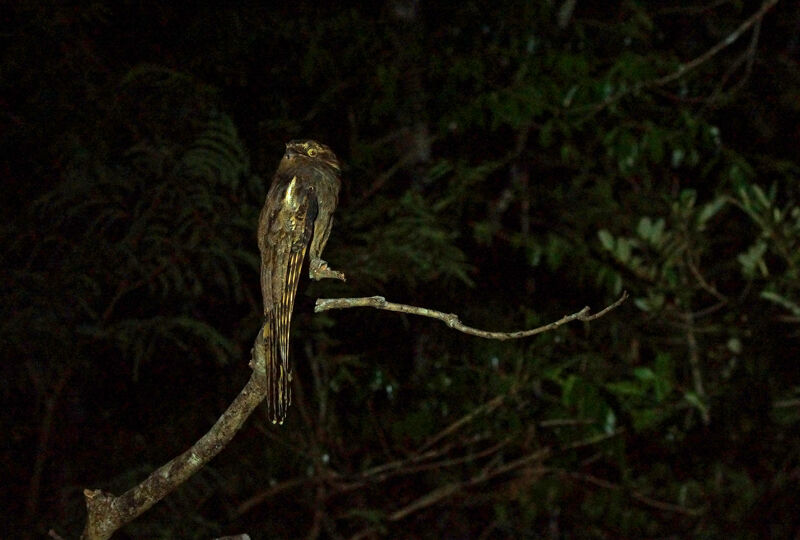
(108, 513)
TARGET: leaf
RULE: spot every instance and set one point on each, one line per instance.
(694, 400)
(735, 345)
(610, 422)
(752, 260)
(643, 304)
(709, 210)
(644, 374)
(644, 228)
(657, 232)
(623, 249)
(677, 157)
(567, 390)
(606, 239)
(626, 388)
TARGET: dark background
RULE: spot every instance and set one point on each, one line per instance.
(510, 165)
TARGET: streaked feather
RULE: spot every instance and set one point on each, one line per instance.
(285, 229)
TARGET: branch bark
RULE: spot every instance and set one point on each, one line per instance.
(451, 319)
(107, 513)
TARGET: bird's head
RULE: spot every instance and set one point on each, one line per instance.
(313, 151)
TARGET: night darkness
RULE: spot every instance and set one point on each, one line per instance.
(508, 165)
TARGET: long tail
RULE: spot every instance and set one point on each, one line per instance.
(279, 377)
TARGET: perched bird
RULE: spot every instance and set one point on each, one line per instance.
(298, 209)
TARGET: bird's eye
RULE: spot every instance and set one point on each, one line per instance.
(312, 152)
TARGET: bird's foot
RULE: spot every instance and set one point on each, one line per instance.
(319, 269)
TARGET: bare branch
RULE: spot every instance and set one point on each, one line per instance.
(748, 59)
(644, 499)
(451, 319)
(729, 40)
(107, 512)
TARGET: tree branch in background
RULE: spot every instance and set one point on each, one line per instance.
(451, 319)
(703, 58)
(685, 68)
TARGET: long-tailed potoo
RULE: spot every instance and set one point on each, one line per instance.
(297, 213)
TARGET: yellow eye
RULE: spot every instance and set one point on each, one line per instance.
(312, 152)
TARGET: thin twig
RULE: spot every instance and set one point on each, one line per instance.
(486, 408)
(439, 465)
(729, 40)
(685, 68)
(405, 160)
(694, 363)
(644, 499)
(489, 473)
(451, 319)
(786, 404)
(747, 58)
(259, 498)
(703, 283)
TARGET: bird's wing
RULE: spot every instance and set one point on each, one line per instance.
(285, 229)
(287, 269)
(301, 230)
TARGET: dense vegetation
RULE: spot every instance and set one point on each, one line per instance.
(509, 165)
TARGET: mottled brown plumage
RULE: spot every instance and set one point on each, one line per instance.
(298, 209)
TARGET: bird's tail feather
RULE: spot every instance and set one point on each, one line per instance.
(279, 377)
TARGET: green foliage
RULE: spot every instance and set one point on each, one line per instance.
(165, 222)
(778, 243)
(407, 240)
